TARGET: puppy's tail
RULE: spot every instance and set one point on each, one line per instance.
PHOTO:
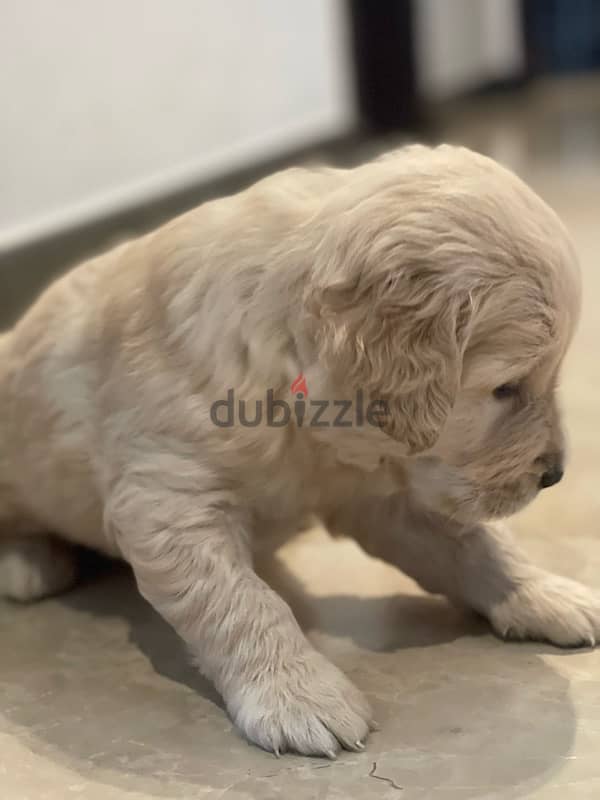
(4, 367)
(4, 370)
(5, 490)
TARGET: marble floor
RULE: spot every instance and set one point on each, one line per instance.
(96, 697)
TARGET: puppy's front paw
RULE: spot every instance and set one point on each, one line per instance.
(307, 706)
(550, 608)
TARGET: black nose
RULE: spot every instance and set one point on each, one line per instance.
(551, 477)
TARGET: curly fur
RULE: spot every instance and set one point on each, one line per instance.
(424, 279)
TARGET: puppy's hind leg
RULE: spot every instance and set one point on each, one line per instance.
(33, 566)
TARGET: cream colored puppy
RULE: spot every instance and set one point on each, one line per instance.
(430, 296)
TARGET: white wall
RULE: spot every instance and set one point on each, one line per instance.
(461, 44)
(106, 102)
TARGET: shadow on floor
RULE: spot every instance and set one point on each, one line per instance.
(103, 686)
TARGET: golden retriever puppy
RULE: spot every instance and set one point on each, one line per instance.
(378, 346)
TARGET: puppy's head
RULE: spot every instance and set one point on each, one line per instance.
(445, 287)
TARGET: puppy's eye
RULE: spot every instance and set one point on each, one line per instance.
(506, 390)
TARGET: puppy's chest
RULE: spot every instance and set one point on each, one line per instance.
(287, 498)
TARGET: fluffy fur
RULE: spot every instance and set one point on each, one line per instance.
(425, 279)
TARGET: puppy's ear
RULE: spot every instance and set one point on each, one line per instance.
(399, 335)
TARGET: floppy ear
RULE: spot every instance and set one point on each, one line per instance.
(400, 337)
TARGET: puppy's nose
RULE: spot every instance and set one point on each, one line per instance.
(551, 476)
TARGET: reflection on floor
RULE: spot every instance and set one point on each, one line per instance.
(97, 699)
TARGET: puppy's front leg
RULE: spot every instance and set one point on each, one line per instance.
(479, 566)
(192, 563)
